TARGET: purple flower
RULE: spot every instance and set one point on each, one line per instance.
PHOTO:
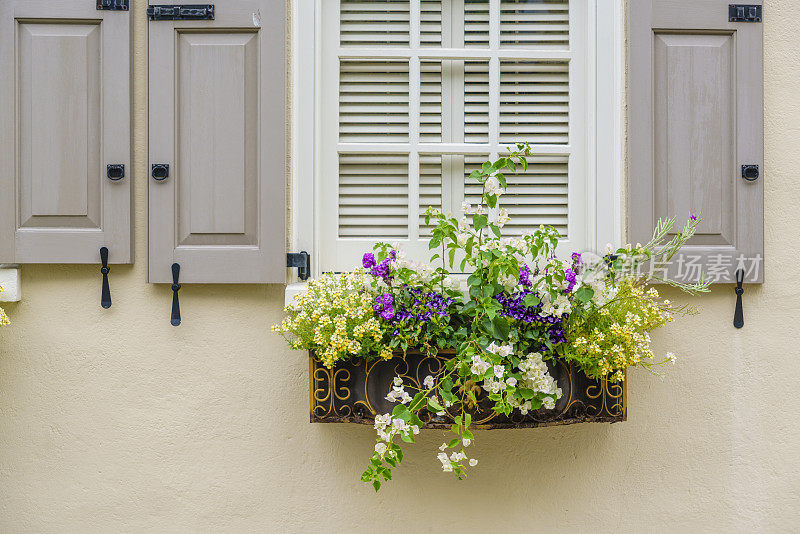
(694, 217)
(387, 313)
(525, 275)
(571, 277)
(368, 261)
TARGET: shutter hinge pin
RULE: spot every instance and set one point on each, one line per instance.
(302, 261)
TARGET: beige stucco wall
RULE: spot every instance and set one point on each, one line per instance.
(114, 421)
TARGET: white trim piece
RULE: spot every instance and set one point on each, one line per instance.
(609, 59)
(305, 129)
(449, 53)
(11, 282)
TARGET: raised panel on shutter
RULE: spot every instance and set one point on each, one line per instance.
(65, 105)
(696, 117)
(217, 118)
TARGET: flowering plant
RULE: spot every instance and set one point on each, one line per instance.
(522, 306)
(4, 321)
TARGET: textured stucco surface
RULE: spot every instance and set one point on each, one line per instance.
(114, 421)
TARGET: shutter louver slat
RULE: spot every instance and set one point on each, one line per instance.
(430, 108)
(431, 23)
(476, 102)
(537, 196)
(476, 24)
(523, 85)
(430, 189)
(373, 196)
(535, 25)
(374, 23)
(373, 98)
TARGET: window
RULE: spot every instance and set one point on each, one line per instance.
(410, 96)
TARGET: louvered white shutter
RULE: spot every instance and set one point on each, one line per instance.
(416, 94)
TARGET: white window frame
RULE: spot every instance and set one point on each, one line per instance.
(604, 127)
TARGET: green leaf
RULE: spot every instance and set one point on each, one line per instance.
(495, 230)
(584, 294)
(532, 300)
(376, 484)
(501, 327)
(479, 221)
(434, 406)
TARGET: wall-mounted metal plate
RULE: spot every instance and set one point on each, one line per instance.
(112, 5)
(181, 12)
(744, 13)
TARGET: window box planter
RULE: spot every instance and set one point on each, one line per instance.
(354, 392)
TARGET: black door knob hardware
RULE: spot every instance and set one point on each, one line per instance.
(115, 172)
(160, 171)
(105, 297)
(175, 320)
(738, 314)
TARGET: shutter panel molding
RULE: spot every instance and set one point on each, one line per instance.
(218, 118)
(695, 109)
(65, 81)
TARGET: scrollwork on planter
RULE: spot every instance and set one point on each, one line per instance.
(355, 391)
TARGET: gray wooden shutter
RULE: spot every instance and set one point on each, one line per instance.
(695, 118)
(218, 119)
(65, 109)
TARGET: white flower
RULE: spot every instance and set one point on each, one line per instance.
(466, 442)
(479, 367)
(443, 447)
(503, 218)
(493, 186)
(398, 381)
(473, 462)
(511, 381)
(380, 448)
(499, 371)
(671, 357)
(447, 468)
(428, 382)
(382, 421)
(505, 351)
(548, 403)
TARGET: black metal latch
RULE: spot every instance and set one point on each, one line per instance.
(738, 314)
(181, 12)
(302, 261)
(112, 5)
(175, 317)
(105, 295)
(744, 13)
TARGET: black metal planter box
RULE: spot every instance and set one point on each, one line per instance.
(355, 391)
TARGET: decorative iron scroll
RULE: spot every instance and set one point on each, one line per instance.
(355, 391)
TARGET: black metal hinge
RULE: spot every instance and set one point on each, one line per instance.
(181, 12)
(302, 261)
(744, 13)
(112, 5)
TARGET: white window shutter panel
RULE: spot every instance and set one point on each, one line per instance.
(65, 108)
(218, 119)
(389, 100)
(696, 118)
